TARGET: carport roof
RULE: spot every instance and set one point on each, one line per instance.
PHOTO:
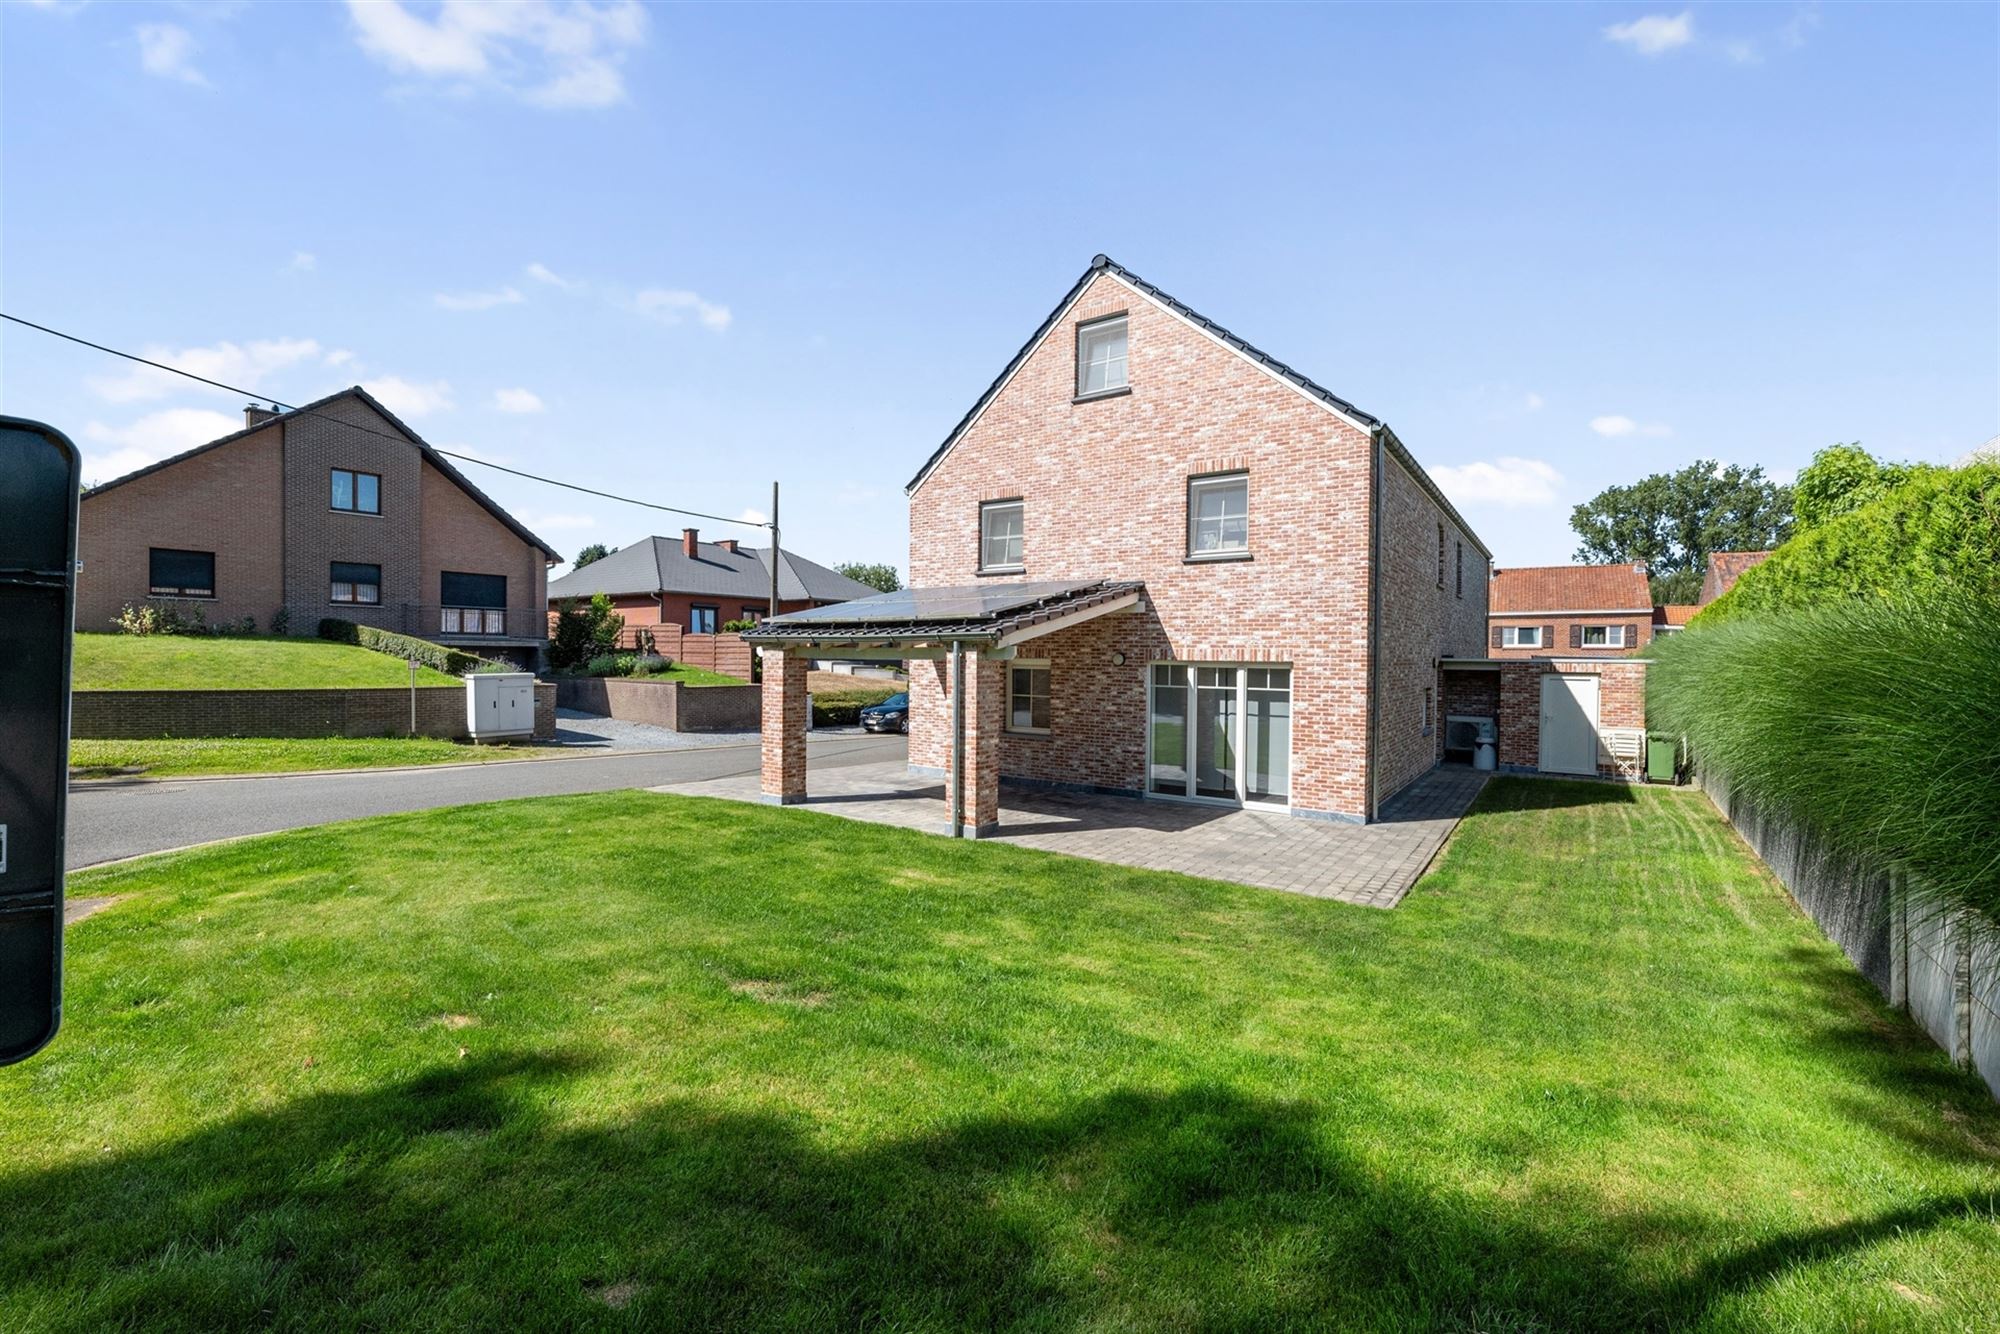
(982, 613)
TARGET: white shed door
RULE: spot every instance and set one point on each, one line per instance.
(1569, 724)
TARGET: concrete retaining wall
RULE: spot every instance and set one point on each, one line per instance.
(141, 714)
(669, 704)
(1943, 974)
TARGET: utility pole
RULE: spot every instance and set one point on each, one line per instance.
(773, 609)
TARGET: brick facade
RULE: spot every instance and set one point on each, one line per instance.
(1621, 703)
(1563, 634)
(1105, 490)
(784, 717)
(262, 503)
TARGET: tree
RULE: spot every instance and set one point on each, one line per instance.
(1841, 479)
(582, 632)
(882, 578)
(1671, 521)
(595, 551)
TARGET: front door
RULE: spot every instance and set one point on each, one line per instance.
(1569, 724)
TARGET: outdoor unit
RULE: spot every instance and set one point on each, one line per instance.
(499, 705)
(1479, 735)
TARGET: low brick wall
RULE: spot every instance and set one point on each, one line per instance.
(143, 714)
(669, 704)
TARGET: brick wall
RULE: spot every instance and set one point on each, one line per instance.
(316, 534)
(1475, 694)
(460, 535)
(129, 714)
(1621, 702)
(219, 501)
(1105, 485)
(1557, 632)
(669, 704)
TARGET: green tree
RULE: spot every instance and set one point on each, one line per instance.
(583, 630)
(1670, 521)
(1841, 479)
(882, 578)
(595, 551)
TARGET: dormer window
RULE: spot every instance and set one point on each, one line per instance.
(1100, 357)
(1001, 526)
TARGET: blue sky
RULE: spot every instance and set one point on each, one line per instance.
(680, 252)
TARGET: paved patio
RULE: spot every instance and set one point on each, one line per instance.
(1371, 865)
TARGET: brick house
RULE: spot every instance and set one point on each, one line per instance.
(1724, 569)
(702, 586)
(1591, 610)
(1158, 562)
(334, 509)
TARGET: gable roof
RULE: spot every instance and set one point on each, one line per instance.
(1724, 569)
(1536, 589)
(661, 565)
(1674, 614)
(1101, 264)
(431, 456)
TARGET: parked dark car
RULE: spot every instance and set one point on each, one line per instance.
(891, 715)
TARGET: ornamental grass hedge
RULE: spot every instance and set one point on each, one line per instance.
(1874, 723)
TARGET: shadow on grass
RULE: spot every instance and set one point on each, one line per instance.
(462, 1198)
(1524, 792)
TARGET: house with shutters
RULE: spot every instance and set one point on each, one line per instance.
(334, 509)
(1155, 561)
(1566, 610)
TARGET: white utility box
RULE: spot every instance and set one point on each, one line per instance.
(500, 705)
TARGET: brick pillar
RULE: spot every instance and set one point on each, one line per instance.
(985, 714)
(784, 728)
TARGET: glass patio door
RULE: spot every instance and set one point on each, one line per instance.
(1220, 732)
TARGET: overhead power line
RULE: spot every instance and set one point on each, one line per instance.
(369, 430)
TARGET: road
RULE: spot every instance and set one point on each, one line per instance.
(110, 820)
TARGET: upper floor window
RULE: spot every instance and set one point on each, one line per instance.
(1001, 525)
(1219, 515)
(1604, 636)
(350, 582)
(701, 620)
(1100, 356)
(180, 574)
(358, 492)
(1520, 636)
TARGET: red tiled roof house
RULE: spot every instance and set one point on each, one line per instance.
(1569, 610)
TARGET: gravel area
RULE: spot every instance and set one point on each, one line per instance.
(587, 731)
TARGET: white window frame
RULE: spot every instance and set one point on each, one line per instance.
(1614, 636)
(1092, 334)
(1189, 678)
(1215, 482)
(992, 507)
(1510, 636)
(1032, 665)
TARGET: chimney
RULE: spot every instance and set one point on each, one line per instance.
(253, 415)
(691, 542)
(728, 544)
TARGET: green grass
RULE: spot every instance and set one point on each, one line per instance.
(692, 676)
(268, 755)
(235, 662)
(726, 1065)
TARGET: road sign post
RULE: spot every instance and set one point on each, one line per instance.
(38, 495)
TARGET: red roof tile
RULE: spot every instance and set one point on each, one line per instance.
(1675, 613)
(1565, 588)
(1724, 569)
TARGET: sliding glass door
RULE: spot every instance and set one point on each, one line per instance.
(1220, 732)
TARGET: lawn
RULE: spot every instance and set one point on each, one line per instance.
(269, 755)
(644, 1059)
(235, 662)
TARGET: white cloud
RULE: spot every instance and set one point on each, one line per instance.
(1803, 20)
(303, 261)
(1654, 34)
(517, 400)
(1507, 482)
(167, 50)
(410, 398)
(153, 437)
(1617, 425)
(1531, 401)
(340, 356)
(755, 516)
(241, 364)
(546, 54)
(506, 296)
(671, 306)
(541, 273)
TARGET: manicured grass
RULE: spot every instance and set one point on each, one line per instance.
(693, 676)
(235, 662)
(635, 1059)
(265, 755)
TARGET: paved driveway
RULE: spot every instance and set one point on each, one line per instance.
(1372, 865)
(109, 820)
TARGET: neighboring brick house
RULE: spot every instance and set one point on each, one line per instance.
(1167, 564)
(702, 586)
(1672, 617)
(1724, 569)
(334, 509)
(1593, 610)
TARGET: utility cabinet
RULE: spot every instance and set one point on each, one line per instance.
(500, 706)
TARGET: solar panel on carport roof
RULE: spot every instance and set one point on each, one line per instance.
(939, 604)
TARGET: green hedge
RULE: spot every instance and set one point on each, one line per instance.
(1938, 529)
(1873, 722)
(842, 708)
(450, 661)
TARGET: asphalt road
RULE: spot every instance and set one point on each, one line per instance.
(110, 820)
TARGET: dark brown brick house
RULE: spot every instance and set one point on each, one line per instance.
(333, 509)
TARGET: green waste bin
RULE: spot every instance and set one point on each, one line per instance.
(1660, 755)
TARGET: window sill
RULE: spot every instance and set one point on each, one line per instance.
(182, 597)
(1119, 392)
(358, 514)
(1221, 558)
(1026, 735)
(1001, 569)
